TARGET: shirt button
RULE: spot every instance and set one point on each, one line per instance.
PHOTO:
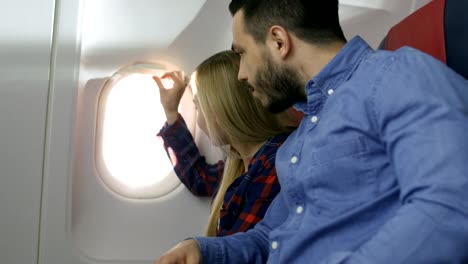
(299, 209)
(274, 245)
(331, 91)
(314, 119)
(294, 160)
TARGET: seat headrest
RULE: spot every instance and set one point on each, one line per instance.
(439, 28)
(456, 35)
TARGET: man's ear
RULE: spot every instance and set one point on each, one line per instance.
(279, 41)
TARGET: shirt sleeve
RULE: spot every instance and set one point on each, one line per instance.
(196, 174)
(422, 118)
(245, 247)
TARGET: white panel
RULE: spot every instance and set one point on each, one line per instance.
(371, 19)
(419, 3)
(25, 48)
(369, 4)
(55, 245)
(110, 24)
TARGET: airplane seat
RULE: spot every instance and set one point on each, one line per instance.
(439, 28)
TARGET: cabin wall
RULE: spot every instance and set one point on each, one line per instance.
(25, 50)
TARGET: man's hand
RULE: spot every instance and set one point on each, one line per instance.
(186, 252)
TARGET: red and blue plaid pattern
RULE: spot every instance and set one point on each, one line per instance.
(247, 198)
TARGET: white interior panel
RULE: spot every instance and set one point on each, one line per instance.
(371, 19)
(105, 225)
(25, 49)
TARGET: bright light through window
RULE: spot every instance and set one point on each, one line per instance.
(131, 151)
(130, 156)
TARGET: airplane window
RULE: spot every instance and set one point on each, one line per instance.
(130, 157)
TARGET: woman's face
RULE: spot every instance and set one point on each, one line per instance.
(200, 117)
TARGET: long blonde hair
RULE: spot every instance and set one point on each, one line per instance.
(227, 104)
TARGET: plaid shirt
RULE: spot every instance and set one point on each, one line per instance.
(246, 199)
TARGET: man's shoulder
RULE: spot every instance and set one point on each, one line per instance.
(390, 66)
(403, 57)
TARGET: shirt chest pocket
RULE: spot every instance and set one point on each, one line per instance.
(341, 175)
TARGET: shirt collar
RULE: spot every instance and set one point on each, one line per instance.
(335, 73)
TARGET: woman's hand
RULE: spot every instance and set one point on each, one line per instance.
(170, 97)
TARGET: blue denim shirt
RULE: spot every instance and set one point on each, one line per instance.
(377, 172)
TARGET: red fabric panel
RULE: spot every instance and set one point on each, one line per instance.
(423, 30)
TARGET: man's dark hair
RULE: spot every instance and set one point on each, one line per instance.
(314, 21)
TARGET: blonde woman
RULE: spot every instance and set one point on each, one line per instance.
(246, 183)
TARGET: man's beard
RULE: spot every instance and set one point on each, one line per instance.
(281, 86)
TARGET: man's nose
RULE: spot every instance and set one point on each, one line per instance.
(242, 76)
